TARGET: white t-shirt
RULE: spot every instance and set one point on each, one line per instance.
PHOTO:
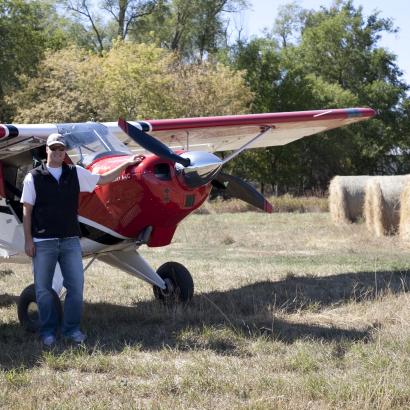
(86, 179)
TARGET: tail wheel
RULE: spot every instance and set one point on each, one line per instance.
(27, 309)
(179, 284)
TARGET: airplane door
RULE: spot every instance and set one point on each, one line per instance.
(2, 190)
(11, 232)
(11, 228)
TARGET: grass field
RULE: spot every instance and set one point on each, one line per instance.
(289, 312)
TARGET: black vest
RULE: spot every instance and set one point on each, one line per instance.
(56, 207)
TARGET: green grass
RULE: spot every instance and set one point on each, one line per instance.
(289, 312)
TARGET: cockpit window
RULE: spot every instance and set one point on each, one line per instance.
(89, 141)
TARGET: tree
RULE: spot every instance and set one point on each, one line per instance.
(102, 29)
(192, 28)
(130, 80)
(135, 81)
(127, 12)
(340, 46)
(336, 63)
(143, 81)
(261, 60)
(27, 30)
(23, 40)
(209, 89)
(289, 23)
(62, 90)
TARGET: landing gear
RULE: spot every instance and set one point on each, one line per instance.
(180, 286)
(27, 309)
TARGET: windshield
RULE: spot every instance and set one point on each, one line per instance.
(89, 141)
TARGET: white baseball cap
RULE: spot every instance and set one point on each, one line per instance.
(55, 139)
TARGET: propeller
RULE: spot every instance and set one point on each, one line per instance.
(151, 144)
(199, 168)
(238, 188)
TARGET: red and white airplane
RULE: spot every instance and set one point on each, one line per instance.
(146, 203)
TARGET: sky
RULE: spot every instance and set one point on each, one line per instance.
(262, 13)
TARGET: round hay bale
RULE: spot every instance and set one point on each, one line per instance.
(346, 198)
(382, 204)
(405, 214)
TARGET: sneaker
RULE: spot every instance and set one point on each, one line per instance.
(48, 341)
(77, 337)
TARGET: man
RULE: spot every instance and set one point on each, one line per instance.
(51, 230)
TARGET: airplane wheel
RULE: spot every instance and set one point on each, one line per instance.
(27, 309)
(180, 286)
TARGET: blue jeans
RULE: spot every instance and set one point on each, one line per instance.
(67, 252)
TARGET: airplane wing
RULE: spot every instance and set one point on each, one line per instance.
(224, 133)
(210, 134)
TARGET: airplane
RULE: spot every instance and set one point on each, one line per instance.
(145, 204)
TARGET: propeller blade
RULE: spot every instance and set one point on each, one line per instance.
(151, 144)
(237, 188)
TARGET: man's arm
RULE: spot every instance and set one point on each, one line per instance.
(29, 244)
(109, 176)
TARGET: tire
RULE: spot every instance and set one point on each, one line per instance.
(180, 286)
(27, 310)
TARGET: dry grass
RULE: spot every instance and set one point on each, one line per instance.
(283, 203)
(290, 312)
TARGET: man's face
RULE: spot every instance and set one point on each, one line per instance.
(56, 153)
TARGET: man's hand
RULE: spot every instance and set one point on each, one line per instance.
(109, 176)
(136, 159)
(30, 248)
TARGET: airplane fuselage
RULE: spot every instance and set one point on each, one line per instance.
(150, 194)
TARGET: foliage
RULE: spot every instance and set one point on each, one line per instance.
(27, 30)
(20, 46)
(135, 79)
(192, 28)
(109, 19)
(61, 92)
(261, 60)
(289, 23)
(175, 62)
(142, 81)
(339, 46)
(208, 89)
(131, 81)
(336, 63)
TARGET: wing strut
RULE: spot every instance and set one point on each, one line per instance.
(239, 150)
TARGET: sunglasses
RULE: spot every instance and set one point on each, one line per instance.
(57, 148)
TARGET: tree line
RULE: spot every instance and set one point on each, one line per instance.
(80, 60)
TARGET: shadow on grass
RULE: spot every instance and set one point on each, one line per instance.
(8, 300)
(299, 293)
(220, 321)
